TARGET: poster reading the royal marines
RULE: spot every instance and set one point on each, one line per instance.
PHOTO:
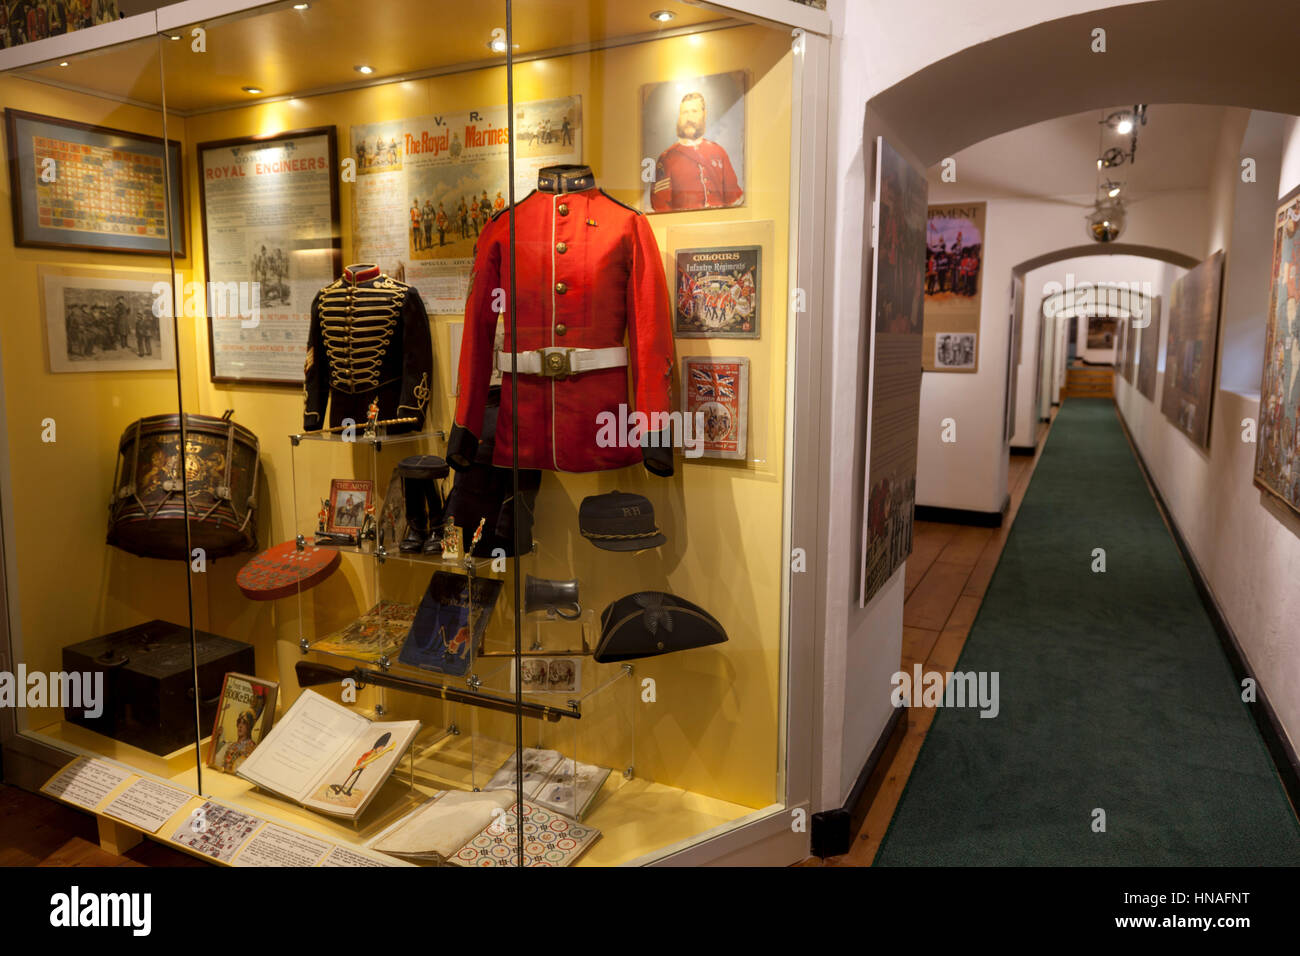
(894, 327)
(426, 187)
(954, 262)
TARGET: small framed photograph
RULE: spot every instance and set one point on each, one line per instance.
(349, 499)
(77, 186)
(717, 292)
(715, 396)
(550, 675)
(107, 321)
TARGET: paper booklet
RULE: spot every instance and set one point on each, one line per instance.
(552, 780)
(326, 757)
(458, 828)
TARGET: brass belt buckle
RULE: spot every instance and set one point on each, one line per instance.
(555, 363)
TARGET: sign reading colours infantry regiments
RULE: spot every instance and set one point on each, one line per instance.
(954, 262)
(894, 407)
(1277, 454)
(270, 242)
(718, 293)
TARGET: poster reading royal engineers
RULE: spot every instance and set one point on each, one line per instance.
(954, 262)
(426, 187)
(895, 382)
(1277, 455)
(270, 242)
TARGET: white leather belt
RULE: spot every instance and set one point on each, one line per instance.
(558, 362)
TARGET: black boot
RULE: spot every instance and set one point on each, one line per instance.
(420, 474)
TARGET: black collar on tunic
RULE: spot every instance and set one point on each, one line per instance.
(568, 178)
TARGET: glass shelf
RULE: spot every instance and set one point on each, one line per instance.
(360, 438)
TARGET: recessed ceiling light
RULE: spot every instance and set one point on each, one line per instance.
(64, 63)
(663, 16)
(301, 6)
(251, 89)
(173, 36)
(364, 69)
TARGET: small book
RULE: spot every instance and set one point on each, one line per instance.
(376, 634)
(328, 758)
(457, 828)
(552, 780)
(245, 714)
(450, 623)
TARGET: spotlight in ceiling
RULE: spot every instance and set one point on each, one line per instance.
(64, 63)
(662, 16)
(301, 6)
(364, 69)
(499, 46)
(251, 89)
(1111, 158)
(173, 36)
(1124, 127)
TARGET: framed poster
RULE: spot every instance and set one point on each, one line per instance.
(1102, 330)
(426, 186)
(77, 186)
(1191, 349)
(717, 389)
(271, 241)
(105, 321)
(717, 292)
(1148, 349)
(894, 389)
(954, 265)
(693, 130)
(1277, 452)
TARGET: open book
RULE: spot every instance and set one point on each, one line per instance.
(457, 828)
(326, 757)
(552, 780)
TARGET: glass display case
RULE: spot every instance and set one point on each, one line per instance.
(485, 330)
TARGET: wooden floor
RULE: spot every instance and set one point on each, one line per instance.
(945, 578)
(38, 831)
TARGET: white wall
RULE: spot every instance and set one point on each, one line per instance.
(1149, 274)
(1246, 546)
(971, 473)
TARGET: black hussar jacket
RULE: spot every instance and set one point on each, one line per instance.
(369, 340)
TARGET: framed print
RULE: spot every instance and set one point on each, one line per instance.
(104, 321)
(954, 265)
(427, 185)
(717, 292)
(1102, 330)
(1191, 349)
(349, 499)
(77, 186)
(1148, 344)
(694, 132)
(717, 389)
(895, 328)
(271, 241)
(1277, 452)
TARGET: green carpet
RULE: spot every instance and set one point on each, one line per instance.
(1114, 694)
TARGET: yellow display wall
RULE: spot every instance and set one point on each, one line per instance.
(715, 725)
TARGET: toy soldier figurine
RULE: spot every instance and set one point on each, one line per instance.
(592, 300)
(368, 343)
(322, 516)
(372, 418)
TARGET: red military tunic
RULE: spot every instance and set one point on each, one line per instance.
(589, 276)
(694, 177)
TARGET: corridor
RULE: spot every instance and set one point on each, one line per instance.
(1121, 737)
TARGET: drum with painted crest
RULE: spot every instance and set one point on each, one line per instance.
(218, 495)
